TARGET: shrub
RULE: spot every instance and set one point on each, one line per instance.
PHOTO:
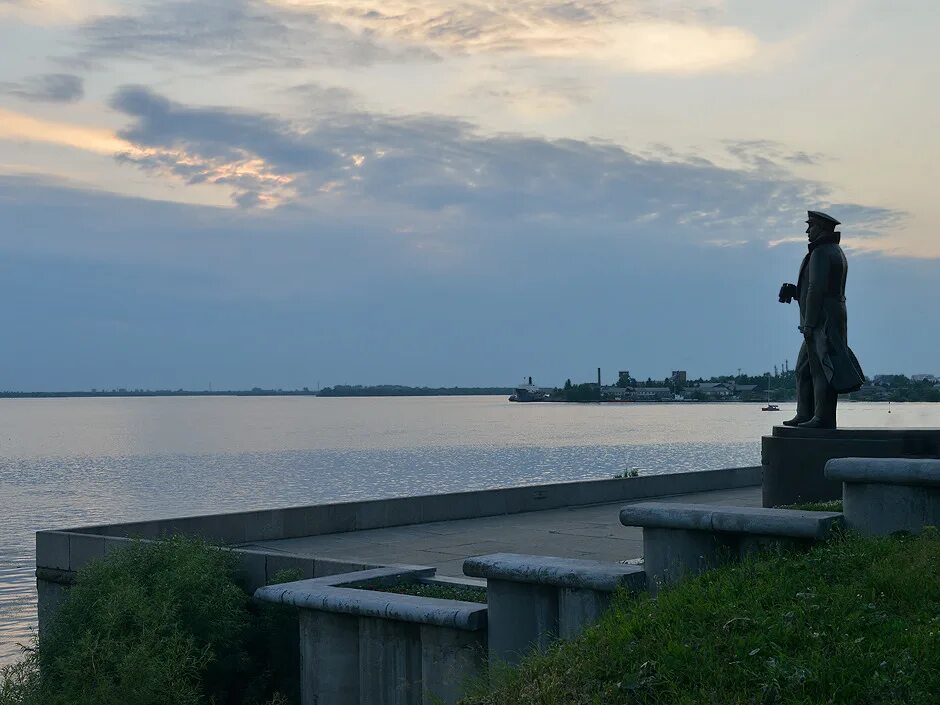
(157, 623)
(273, 646)
(19, 681)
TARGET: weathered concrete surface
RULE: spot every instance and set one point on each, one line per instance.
(603, 576)
(579, 608)
(736, 520)
(535, 599)
(449, 660)
(51, 596)
(687, 539)
(672, 554)
(794, 459)
(891, 471)
(329, 658)
(366, 646)
(591, 532)
(521, 618)
(390, 663)
(882, 496)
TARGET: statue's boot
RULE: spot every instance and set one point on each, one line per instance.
(817, 422)
(796, 421)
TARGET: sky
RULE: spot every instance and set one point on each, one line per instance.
(289, 193)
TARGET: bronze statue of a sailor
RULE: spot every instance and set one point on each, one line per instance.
(826, 367)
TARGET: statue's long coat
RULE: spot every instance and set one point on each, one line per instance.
(821, 295)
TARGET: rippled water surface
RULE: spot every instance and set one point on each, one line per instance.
(72, 462)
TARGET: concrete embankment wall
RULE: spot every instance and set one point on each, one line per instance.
(317, 519)
(60, 553)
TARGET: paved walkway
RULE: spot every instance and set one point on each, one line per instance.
(592, 532)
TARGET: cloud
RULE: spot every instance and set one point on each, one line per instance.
(168, 292)
(437, 171)
(771, 154)
(255, 154)
(48, 88)
(19, 126)
(726, 243)
(54, 12)
(634, 36)
(322, 98)
(630, 36)
(233, 34)
(538, 97)
(446, 171)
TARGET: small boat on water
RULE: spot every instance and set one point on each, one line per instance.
(528, 392)
(770, 407)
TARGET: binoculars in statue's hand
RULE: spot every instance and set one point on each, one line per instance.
(787, 293)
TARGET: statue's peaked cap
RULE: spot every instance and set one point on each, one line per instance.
(819, 215)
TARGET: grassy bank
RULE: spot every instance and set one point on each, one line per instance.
(856, 621)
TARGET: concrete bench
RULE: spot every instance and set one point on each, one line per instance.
(686, 539)
(534, 600)
(883, 495)
(361, 646)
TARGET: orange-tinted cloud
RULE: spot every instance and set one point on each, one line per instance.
(19, 126)
(248, 174)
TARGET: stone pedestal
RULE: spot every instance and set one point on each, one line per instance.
(794, 459)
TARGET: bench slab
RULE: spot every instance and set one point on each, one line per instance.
(570, 573)
(334, 594)
(888, 471)
(761, 521)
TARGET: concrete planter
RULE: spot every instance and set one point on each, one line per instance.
(884, 495)
(361, 647)
(534, 600)
(687, 539)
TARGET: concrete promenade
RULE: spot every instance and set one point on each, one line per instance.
(589, 532)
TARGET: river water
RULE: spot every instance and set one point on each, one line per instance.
(73, 462)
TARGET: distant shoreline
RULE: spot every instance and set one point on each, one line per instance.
(154, 393)
(258, 392)
(418, 392)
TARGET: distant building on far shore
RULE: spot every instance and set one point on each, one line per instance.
(637, 393)
(713, 389)
(721, 390)
(680, 377)
(652, 393)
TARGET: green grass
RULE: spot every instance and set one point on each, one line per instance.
(833, 505)
(854, 621)
(160, 623)
(441, 592)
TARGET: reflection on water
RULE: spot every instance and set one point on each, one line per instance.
(73, 462)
